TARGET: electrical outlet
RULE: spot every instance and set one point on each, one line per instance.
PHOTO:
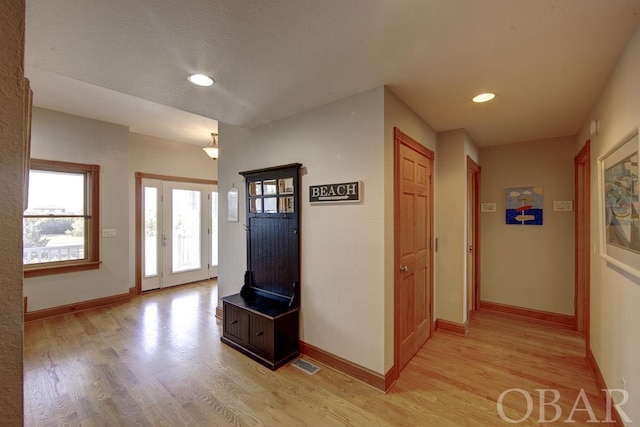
(623, 383)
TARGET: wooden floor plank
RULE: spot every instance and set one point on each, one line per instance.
(158, 360)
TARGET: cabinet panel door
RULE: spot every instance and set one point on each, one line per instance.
(235, 323)
(286, 333)
(261, 335)
(274, 255)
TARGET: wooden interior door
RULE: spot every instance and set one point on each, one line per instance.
(413, 247)
(473, 235)
(470, 243)
(582, 237)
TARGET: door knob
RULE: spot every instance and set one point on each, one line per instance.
(404, 268)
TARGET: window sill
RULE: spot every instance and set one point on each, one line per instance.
(59, 269)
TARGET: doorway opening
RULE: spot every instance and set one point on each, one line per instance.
(176, 231)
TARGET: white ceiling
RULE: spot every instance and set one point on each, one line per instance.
(127, 61)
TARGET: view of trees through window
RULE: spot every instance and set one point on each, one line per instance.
(54, 223)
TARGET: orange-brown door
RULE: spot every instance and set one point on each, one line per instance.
(471, 244)
(473, 236)
(414, 255)
(582, 239)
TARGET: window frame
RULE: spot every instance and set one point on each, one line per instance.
(91, 260)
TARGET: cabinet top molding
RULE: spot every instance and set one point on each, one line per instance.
(271, 169)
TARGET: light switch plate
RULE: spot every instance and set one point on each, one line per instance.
(563, 205)
(488, 207)
(108, 232)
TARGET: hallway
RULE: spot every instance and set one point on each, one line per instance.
(158, 360)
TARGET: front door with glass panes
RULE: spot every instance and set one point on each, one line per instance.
(179, 236)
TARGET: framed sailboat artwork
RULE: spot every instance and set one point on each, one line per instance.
(524, 205)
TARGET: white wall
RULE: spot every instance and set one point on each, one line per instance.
(231, 235)
(471, 150)
(451, 210)
(396, 114)
(342, 246)
(152, 155)
(529, 266)
(450, 183)
(347, 250)
(63, 137)
(11, 194)
(615, 341)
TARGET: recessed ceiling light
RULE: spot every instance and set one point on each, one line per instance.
(484, 97)
(200, 80)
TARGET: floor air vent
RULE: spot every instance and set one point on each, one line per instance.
(305, 366)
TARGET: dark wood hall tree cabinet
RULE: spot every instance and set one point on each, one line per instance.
(262, 320)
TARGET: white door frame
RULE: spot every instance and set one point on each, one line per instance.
(211, 271)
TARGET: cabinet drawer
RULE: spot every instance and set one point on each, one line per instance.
(261, 335)
(235, 323)
(269, 340)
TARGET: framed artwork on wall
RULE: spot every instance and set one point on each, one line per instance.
(524, 205)
(619, 206)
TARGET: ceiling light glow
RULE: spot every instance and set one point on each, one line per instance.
(484, 97)
(200, 80)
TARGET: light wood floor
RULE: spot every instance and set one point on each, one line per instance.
(158, 361)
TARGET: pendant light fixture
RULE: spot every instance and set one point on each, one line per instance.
(212, 148)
